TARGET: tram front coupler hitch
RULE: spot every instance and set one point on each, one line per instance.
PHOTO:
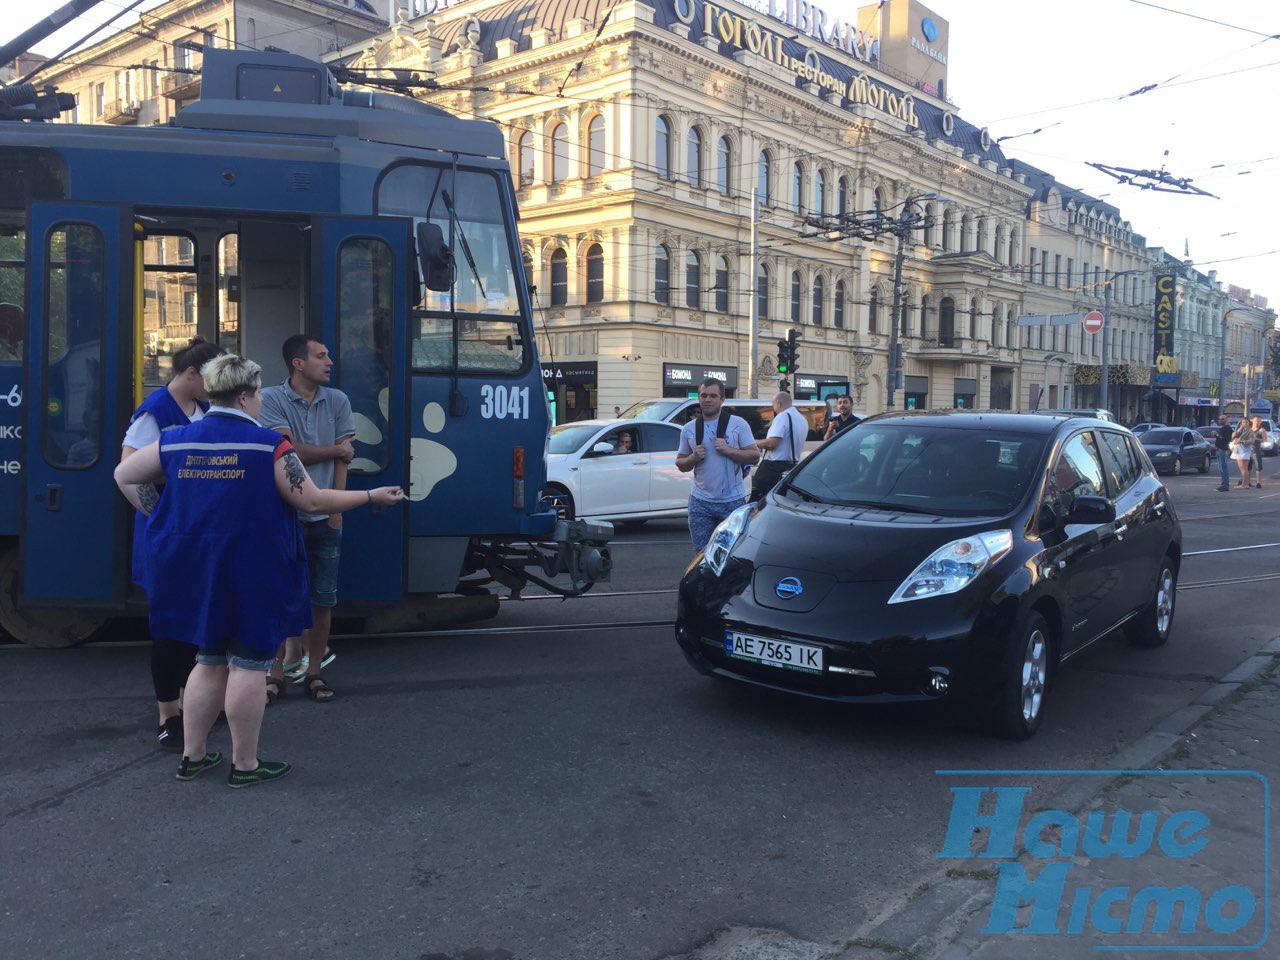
(582, 552)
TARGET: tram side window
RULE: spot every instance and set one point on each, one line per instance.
(229, 292)
(467, 207)
(169, 304)
(366, 274)
(74, 312)
(13, 302)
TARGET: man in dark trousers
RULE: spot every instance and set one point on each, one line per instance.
(1222, 442)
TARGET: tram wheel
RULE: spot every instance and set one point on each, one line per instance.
(47, 628)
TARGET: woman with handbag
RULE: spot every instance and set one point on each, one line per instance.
(782, 446)
(1242, 450)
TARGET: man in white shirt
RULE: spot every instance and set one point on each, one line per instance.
(782, 445)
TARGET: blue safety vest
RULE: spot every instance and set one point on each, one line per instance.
(168, 414)
(226, 554)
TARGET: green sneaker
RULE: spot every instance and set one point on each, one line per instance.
(190, 769)
(264, 773)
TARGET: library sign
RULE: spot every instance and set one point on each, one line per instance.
(743, 33)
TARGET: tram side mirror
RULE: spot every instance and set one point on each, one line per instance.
(435, 259)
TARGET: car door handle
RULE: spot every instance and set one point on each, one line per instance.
(1159, 508)
(641, 462)
(1121, 530)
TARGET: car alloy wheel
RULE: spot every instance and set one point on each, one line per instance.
(1035, 669)
(1016, 710)
(1177, 466)
(1164, 601)
(1151, 627)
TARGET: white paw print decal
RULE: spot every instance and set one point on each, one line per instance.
(369, 432)
(430, 462)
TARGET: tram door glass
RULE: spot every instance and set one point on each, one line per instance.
(170, 304)
(13, 298)
(229, 292)
(366, 274)
(73, 349)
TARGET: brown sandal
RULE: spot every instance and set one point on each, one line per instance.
(317, 688)
(275, 689)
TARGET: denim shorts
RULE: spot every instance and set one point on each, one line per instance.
(324, 549)
(232, 652)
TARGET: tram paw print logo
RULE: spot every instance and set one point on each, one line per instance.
(368, 432)
(430, 462)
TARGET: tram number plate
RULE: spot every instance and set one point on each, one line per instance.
(773, 653)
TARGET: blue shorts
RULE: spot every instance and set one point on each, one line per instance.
(233, 652)
(705, 516)
(324, 549)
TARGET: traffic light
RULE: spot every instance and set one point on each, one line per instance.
(789, 352)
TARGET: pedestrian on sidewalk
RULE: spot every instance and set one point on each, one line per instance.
(781, 447)
(1222, 443)
(1259, 434)
(182, 401)
(715, 446)
(1242, 450)
(226, 566)
(843, 419)
(319, 423)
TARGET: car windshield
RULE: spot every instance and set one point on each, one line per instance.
(569, 437)
(1162, 437)
(936, 470)
(650, 410)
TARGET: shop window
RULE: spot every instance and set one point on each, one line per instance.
(662, 147)
(662, 275)
(724, 164)
(693, 159)
(559, 278)
(795, 297)
(524, 158)
(560, 154)
(75, 309)
(692, 281)
(818, 296)
(595, 146)
(722, 285)
(762, 292)
(595, 274)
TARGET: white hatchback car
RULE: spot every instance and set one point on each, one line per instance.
(617, 470)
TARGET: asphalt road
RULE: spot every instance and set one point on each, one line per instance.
(557, 785)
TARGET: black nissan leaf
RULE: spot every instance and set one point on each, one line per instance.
(955, 557)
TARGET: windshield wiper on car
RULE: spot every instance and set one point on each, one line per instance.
(887, 507)
(806, 495)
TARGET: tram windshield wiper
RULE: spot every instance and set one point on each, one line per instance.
(466, 247)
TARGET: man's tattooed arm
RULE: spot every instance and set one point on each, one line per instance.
(148, 497)
(294, 471)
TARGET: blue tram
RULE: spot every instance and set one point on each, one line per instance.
(277, 203)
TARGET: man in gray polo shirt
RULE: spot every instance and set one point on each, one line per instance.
(318, 422)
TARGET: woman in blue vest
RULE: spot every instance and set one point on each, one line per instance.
(181, 402)
(226, 566)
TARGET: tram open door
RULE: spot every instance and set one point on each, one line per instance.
(75, 526)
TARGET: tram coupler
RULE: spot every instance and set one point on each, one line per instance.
(582, 551)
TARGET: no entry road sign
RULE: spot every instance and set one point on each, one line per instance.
(1093, 321)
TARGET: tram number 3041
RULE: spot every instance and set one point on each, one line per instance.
(498, 403)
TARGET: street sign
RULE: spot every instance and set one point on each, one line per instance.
(1093, 321)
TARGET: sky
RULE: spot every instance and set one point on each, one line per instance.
(1013, 61)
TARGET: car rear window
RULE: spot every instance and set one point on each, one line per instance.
(936, 470)
(1162, 436)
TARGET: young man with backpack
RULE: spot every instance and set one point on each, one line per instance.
(716, 446)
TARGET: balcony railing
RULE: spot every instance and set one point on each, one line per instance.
(121, 112)
(180, 86)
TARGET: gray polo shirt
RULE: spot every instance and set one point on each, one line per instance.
(319, 423)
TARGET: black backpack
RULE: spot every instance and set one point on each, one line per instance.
(721, 426)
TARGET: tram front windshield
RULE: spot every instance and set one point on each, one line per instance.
(467, 207)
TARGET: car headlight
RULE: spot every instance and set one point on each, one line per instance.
(1163, 454)
(723, 538)
(953, 567)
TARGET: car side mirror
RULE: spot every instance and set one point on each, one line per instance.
(602, 447)
(1092, 511)
(435, 258)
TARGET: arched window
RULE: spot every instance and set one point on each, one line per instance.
(820, 193)
(877, 201)
(662, 275)
(948, 230)
(524, 158)
(560, 154)
(873, 313)
(838, 316)
(762, 292)
(818, 297)
(797, 188)
(559, 278)
(692, 280)
(763, 177)
(947, 322)
(595, 146)
(693, 161)
(724, 162)
(966, 229)
(722, 284)
(1013, 247)
(842, 196)
(930, 227)
(595, 274)
(662, 147)
(973, 320)
(924, 316)
(983, 234)
(795, 297)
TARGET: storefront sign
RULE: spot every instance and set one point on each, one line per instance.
(1166, 363)
(687, 376)
(1197, 401)
(812, 21)
(574, 372)
(1049, 319)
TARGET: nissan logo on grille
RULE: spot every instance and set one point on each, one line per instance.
(788, 587)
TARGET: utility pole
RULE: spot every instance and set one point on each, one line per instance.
(752, 312)
(1105, 380)
(895, 344)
